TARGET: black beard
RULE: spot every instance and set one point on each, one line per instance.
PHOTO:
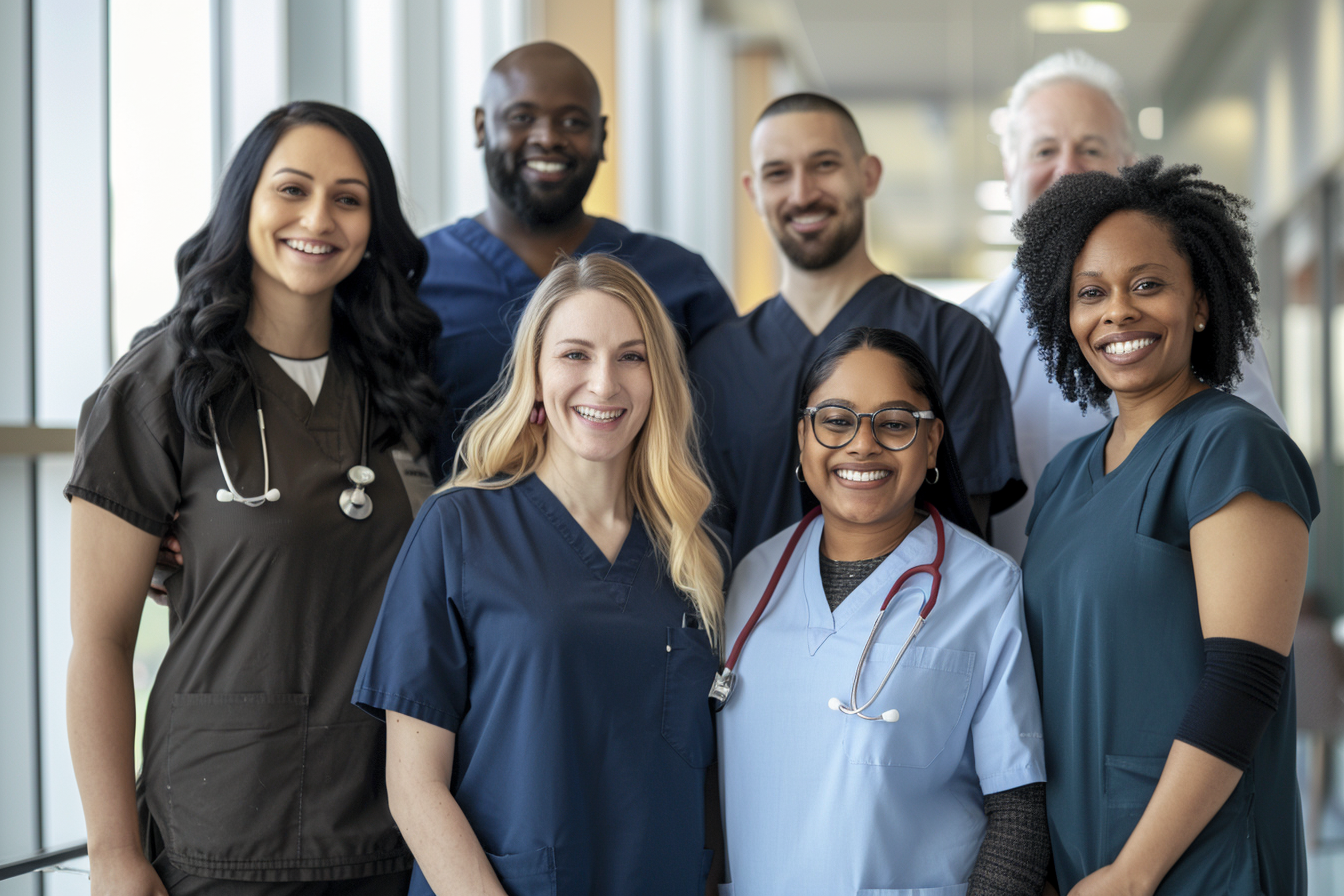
(816, 255)
(537, 208)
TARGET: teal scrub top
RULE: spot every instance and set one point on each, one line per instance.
(1115, 632)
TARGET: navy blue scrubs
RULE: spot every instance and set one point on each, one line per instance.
(578, 698)
(749, 371)
(478, 286)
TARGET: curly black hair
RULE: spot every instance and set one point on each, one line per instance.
(1207, 225)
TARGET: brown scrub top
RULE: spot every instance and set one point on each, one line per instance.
(256, 766)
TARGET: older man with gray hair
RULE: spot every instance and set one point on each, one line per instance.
(1066, 115)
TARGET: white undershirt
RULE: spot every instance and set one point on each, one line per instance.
(308, 373)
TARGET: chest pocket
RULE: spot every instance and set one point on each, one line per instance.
(929, 689)
(688, 723)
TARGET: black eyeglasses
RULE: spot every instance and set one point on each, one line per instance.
(894, 429)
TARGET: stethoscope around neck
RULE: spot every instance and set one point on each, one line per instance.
(354, 502)
(722, 688)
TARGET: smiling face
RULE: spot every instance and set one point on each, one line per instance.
(594, 380)
(809, 181)
(310, 219)
(1134, 309)
(864, 485)
(541, 126)
(1062, 128)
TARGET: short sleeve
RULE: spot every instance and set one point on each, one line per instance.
(417, 659)
(980, 414)
(1243, 450)
(706, 307)
(128, 456)
(1006, 728)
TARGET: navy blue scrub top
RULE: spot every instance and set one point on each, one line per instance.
(579, 700)
(478, 287)
(749, 371)
(1113, 619)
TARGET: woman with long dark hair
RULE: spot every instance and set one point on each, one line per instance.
(276, 419)
(880, 730)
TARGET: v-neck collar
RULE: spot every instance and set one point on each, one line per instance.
(796, 332)
(518, 277)
(324, 414)
(628, 559)
(918, 547)
(1152, 440)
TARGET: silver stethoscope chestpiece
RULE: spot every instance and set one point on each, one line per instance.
(354, 502)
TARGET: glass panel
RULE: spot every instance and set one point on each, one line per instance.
(1303, 355)
(160, 154)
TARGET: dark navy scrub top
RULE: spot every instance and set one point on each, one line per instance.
(478, 287)
(749, 371)
(1115, 633)
(579, 700)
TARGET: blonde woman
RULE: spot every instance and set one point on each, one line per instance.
(545, 647)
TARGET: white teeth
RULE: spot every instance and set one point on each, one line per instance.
(546, 167)
(591, 414)
(310, 248)
(863, 475)
(809, 219)
(1124, 348)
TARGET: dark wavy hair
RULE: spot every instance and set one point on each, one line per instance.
(948, 494)
(379, 326)
(1206, 224)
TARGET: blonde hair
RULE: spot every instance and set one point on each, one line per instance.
(665, 477)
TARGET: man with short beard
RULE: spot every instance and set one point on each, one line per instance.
(809, 180)
(541, 127)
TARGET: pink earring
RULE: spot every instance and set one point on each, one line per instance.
(538, 415)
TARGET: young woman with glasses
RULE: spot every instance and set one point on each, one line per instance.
(862, 751)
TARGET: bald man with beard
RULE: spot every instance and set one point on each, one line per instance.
(541, 127)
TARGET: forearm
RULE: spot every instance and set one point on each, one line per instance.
(1193, 786)
(100, 718)
(1015, 853)
(419, 767)
(442, 840)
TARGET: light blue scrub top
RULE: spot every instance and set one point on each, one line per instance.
(816, 801)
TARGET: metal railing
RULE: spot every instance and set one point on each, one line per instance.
(43, 860)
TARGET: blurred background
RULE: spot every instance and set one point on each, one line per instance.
(116, 117)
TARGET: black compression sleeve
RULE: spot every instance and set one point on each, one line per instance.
(1015, 853)
(1235, 699)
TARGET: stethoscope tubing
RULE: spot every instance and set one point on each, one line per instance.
(724, 681)
(935, 572)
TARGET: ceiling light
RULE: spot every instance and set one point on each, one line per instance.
(1150, 122)
(992, 196)
(1074, 18)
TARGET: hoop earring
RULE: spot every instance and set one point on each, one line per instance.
(936, 477)
(798, 474)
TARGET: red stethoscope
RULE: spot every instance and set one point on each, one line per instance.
(724, 681)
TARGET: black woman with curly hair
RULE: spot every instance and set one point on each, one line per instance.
(273, 419)
(1167, 553)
